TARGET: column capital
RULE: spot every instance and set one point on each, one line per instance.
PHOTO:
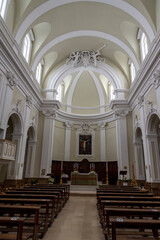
(29, 101)
(17, 108)
(50, 107)
(68, 124)
(141, 101)
(102, 125)
(12, 82)
(156, 79)
(120, 113)
(49, 113)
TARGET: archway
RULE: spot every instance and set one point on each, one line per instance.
(29, 153)
(140, 173)
(154, 145)
(14, 134)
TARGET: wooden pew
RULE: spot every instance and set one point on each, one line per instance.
(130, 204)
(60, 192)
(11, 221)
(125, 198)
(66, 187)
(123, 212)
(43, 212)
(136, 224)
(14, 210)
(53, 208)
(58, 199)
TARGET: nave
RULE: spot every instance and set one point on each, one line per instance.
(78, 221)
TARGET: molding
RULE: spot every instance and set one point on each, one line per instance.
(146, 72)
(48, 5)
(85, 33)
(13, 61)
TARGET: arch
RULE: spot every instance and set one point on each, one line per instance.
(28, 169)
(17, 121)
(153, 139)
(48, 5)
(86, 33)
(102, 68)
(139, 154)
(15, 136)
(152, 122)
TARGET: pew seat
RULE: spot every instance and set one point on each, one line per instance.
(122, 223)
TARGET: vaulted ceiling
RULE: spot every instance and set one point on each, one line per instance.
(61, 27)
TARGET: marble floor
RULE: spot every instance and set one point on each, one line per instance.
(78, 220)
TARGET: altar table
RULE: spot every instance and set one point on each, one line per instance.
(84, 178)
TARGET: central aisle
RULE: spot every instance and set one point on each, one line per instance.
(78, 220)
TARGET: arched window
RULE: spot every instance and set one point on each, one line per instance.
(39, 71)
(143, 44)
(27, 45)
(59, 93)
(3, 8)
(112, 95)
(132, 70)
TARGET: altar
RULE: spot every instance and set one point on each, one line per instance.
(84, 178)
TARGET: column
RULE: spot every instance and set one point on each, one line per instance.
(122, 143)
(24, 139)
(146, 155)
(103, 141)
(47, 144)
(67, 141)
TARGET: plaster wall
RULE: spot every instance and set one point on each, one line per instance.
(111, 146)
(39, 144)
(59, 141)
(130, 140)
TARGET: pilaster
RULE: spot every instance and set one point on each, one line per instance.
(146, 155)
(49, 110)
(103, 141)
(122, 143)
(67, 141)
(26, 125)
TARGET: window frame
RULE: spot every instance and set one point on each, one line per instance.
(3, 8)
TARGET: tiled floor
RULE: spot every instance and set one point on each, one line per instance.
(78, 220)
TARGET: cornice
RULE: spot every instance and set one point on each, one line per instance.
(17, 65)
(78, 119)
(142, 82)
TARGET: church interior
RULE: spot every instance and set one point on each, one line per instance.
(80, 119)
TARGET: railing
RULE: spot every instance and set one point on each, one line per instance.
(7, 150)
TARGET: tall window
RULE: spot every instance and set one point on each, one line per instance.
(3, 8)
(132, 70)
(143, 44)
(27, 45)
(59, 93)
(112, 92)
(39, 71)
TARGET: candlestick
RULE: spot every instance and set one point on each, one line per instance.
(61, 172)
(107, 183)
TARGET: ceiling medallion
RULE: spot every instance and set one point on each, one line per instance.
(85, 58)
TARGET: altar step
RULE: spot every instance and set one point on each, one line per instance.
(83, 190)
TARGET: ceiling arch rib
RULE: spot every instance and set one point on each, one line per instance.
(84, 33)
(102, 68)
(48, 5)
(100, 91)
